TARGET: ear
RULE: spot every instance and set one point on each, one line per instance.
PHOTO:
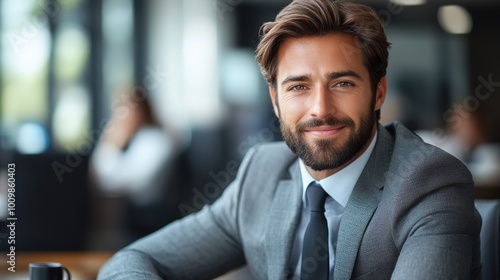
(272, 94)
(381, 92)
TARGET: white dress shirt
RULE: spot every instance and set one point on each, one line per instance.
(339, 187)
(138, 172)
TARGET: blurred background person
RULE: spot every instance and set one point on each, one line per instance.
(473, 137)
(134, 160)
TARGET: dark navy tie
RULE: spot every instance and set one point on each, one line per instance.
(315, 260)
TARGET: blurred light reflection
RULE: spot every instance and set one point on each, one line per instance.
(455, 19)
(32, 138)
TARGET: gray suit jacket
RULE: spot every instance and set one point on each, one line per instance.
(411, 215)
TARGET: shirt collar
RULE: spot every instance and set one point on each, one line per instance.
(339, 186)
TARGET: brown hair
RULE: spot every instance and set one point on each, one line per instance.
(321, 17)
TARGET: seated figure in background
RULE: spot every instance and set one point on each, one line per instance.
(473, 138)
(134, 159)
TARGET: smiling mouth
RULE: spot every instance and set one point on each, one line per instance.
(324, 131)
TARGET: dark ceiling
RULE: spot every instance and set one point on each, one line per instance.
(465, 3)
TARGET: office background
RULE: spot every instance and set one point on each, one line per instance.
(64, 63)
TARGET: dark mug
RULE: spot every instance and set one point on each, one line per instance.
(48, 271)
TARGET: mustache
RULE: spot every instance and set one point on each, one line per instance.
(330, 121)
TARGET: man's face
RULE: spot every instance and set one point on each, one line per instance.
(324, 101)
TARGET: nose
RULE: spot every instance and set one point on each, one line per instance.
(322, 103)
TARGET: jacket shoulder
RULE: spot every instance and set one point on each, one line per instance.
(273, 153)
(412, 156)
(268, 162)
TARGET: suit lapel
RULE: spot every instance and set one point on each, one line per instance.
(282, 223)
(362, 204)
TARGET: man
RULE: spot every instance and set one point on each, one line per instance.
(345, 197)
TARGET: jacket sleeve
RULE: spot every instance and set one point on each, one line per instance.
(203, 245)
(437, 227)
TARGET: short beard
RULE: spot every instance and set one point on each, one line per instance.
(325, 154)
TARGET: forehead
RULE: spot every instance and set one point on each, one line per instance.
(332, 52)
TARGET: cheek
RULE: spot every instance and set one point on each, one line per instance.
(354, 108)
(292, 109)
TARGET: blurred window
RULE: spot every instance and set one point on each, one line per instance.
(25, 51)
(57, 59)
(71, 115)
(118, 55)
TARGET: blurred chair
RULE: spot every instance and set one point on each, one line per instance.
(52, 214)
(490, 237)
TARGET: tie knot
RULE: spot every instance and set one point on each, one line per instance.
(316, 196)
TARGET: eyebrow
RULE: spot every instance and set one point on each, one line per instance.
(297, 78)
(332, 75)
(347, 73)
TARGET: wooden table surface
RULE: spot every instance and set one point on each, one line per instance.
(82, 265)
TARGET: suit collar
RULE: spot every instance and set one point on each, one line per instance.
(361, 205)
(282, 223)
